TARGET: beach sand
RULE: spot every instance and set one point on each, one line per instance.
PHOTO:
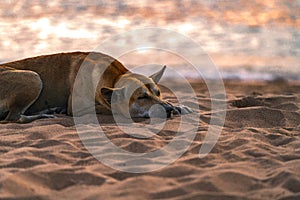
(257, 155)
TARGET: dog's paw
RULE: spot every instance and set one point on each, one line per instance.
(47, 116)
(26, 119)
(4, 122)
(182, 110)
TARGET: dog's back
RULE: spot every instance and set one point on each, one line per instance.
(58, 72)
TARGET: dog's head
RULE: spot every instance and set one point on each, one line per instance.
(134, 95)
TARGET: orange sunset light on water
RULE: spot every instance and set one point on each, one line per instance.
(235, 33)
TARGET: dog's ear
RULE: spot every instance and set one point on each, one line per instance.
(107, 93)
(157, 76)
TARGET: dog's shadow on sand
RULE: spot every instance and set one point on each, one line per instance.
(113, 120)
(69, 121)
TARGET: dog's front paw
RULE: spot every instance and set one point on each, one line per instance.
(182, 110)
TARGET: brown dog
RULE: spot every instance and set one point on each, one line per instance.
(32, 87)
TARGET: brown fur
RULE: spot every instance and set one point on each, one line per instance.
(33, 85)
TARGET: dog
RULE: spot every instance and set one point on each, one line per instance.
(37, 87)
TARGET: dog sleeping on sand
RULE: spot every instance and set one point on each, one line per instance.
(32, 87)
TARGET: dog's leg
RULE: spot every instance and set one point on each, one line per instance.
(102, 110)
(17, 116)
(27, 119)
(69, 107)
(55, 110)
(12, 116)
(180, 110)
(19, 89)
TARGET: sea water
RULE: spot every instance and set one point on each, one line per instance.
(244, 39)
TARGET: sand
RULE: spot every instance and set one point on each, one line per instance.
(257, 155)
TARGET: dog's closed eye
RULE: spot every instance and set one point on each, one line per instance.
(143, 97)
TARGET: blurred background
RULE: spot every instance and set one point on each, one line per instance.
(245, 39)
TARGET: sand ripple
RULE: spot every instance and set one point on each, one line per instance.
(256, 157)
